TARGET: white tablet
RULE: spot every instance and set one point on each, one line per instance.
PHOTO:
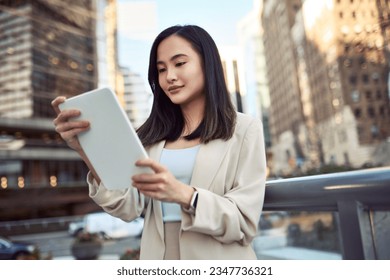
(111, 144)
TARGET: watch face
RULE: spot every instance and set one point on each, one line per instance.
(194, 200)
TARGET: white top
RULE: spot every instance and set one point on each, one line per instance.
(181, 163)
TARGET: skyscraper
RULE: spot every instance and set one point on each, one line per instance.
(137, 100)
(328, 65)
(48, 48)
(285, 114)
(348, 66)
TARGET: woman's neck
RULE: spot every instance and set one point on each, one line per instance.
(193, 116)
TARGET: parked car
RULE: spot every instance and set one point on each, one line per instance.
(107, 225)
(11, 250)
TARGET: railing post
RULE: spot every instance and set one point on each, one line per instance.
(350, 230)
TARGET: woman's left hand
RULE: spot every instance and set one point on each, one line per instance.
(162, 185)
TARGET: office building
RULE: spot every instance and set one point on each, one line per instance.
(48, 48)
(329, 83)
(348, 66)
(137, 100)
(231, 65)
(254, 71)
(285, 114)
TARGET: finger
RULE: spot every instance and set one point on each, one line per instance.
(72, 126)
(69, 125)
(145, 186)
(56, 102)
(155, 166)
(65, 115)
(145, 178)
(71, 113)
(151, 190)
(71, 135)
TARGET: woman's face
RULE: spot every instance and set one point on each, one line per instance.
(180, 71)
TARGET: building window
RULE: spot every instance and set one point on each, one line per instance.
(355, 95)
(365, 78)
(353, 80)
(374, 131)
(347, 63)
(378, 95)
(358, 113)
(368, 95)
(371, 112)
(375, 77)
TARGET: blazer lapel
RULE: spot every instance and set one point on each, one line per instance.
(208, 161)
(155, 150)
(155, 153)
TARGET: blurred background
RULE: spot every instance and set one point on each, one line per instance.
(315, 72)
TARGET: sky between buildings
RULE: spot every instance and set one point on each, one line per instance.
(139, 21)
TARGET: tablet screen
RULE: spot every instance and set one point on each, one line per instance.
(111, 144)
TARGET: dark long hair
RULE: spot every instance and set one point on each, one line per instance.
(166, 120)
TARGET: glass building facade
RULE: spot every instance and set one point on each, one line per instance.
(47, 49)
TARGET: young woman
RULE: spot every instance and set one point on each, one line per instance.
(205, 197)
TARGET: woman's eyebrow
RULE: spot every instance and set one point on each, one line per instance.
(173, 58)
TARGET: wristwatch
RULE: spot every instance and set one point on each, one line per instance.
(193, 203)
(194, 200)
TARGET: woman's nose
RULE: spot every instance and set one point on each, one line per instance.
(171, 75)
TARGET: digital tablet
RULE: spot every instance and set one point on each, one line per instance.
(111, 144)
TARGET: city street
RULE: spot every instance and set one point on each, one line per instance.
(57, 245)
(313, 76)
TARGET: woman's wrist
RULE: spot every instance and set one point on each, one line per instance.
(187, 196)
(191, 209)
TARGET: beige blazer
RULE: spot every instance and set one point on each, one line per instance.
(230, 178)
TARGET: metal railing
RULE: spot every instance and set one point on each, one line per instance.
(354, 195)
(36, 226)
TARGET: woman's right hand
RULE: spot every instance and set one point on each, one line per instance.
(66, 126)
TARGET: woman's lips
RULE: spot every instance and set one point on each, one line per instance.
(174, 89)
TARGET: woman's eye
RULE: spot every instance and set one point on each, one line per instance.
(180, 64)
(161, 70)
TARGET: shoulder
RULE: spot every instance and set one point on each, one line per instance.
(249, 136)
(244, 118)
(246, 122)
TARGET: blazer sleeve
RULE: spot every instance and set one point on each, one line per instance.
(234, 216)
(126, 204)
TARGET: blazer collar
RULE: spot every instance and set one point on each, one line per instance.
(155, 153)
